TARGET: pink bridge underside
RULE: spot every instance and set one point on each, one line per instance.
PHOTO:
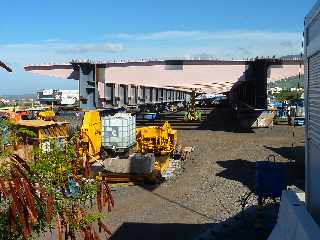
(206, 78)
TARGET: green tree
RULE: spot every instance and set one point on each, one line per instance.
(50, 192)
(286, 95)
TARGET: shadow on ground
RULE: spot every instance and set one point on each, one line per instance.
(296, 170)
(240, 227)
(296, 153)
(223, 119)
(157, 231)
(239, 170)
(244, 171)
(219, 118)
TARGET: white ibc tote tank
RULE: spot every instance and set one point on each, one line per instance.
(118, 131)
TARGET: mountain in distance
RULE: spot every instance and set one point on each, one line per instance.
(20, 96)
(291, 56)
(288, 83)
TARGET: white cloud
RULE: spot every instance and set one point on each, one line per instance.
(166, 35)
(53, 40)
(205, 35)
(166, 44)
(64, 47)
(159, 35)
(159, 45)
(221, 44)
(92, 47)
(19, 46)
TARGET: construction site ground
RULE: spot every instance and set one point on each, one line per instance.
(203, 201)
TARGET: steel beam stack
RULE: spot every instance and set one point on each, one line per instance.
(96, 92)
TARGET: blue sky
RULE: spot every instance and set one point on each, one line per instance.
(35, 32)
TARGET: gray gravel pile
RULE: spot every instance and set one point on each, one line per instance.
(174, 169)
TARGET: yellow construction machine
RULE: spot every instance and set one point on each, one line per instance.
(90, 136)
(46, 115)
(161, 141)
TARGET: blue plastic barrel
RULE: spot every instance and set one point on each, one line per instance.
(270, 179)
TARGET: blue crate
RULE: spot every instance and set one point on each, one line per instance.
(281, 113)
(270, 179)
(299, 121)
(150, 116)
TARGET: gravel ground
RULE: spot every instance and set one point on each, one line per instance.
(202, 202)
(205, 196)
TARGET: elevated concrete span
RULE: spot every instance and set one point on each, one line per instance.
(135, 83)
(252, 89)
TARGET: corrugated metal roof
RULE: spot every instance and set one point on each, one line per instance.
(38, 123)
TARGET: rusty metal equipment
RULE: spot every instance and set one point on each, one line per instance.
(15, 115)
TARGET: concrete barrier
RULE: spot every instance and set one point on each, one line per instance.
(294, 221)
(136, 164)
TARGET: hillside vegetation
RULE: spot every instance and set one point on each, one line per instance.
(288, 83)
